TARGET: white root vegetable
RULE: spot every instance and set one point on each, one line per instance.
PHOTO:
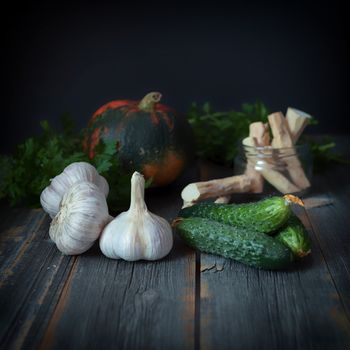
(297, 121)
(280, 131)
(197, 191)
(266, 171)
(259, 136)
(223, 199)
(257, 180)
(260, 132)
(283, 139)
(279, 181)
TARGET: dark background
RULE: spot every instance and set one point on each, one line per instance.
(72, 58)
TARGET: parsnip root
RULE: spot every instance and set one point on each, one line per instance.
(197, 191)
(283, 139)
(223, 199)
(297, 121)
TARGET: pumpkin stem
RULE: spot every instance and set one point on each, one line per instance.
(148, 102)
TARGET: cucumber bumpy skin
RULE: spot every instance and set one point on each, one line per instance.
(295, 237)
(267, 215)
(248, 247)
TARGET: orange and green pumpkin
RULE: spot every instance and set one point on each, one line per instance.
(150, 137)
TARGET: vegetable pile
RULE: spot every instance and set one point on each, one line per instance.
(218, 133)
(25, 174)
(274, 161)
(264, 234)
(76, 202)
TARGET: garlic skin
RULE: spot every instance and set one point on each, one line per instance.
(137, 234)
(82, 216)
(52, 195)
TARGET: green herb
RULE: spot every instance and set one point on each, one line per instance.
(217, 134)
(25, 174)
(323, 151)
(108, 165)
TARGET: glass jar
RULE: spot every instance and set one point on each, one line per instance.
(276, 170)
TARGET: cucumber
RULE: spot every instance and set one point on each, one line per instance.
(267, 215)
(295, 237)
(248, 247)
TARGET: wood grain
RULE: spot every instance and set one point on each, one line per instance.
(245, 308)
(185, 301)
(30, 279)
(123, 305)
(331, 225)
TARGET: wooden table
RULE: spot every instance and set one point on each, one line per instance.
(185, 301)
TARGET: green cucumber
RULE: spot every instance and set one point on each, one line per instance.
(267, 215)
(248, 247)
(295, 237)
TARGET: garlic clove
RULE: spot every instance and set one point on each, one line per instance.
(82, 216)
(50, 200)
(82, 171)
(159, 244)
(137, 234)
(128, 239)
(52, 195)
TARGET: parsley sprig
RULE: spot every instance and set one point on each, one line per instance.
(38, 159)
(217, 133)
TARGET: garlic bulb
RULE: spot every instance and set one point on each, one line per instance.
(52, 195)
(82, 216)
(137, 234)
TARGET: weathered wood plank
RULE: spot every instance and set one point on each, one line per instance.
(245, 308)
(31, 277)
(116, 304)
(13, 225)
(142, 291)
(331, 226)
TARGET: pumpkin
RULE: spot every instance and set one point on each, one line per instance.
(150, 137)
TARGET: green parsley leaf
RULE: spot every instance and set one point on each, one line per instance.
(24, 175)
